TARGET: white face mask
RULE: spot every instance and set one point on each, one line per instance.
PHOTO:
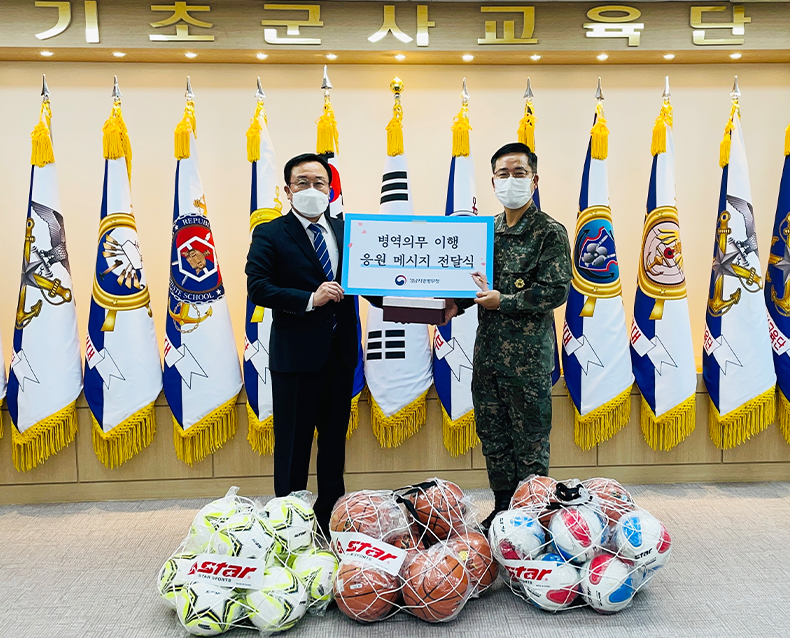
(513, 193)
(310, 202)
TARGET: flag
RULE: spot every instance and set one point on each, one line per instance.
(736, 358)
(3, 384)
(265, 205)
(397, 355)
(201, 376)
(777, 294)
(46, 371)
(328, 145)
(662, 353)
(454, 344)
(595, 357)
(123, 374)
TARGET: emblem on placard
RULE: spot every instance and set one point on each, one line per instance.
(596, 273)
(661, 273)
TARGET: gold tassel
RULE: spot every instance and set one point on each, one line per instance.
(741, 424)
(2, 405)
(726, 142)
(47, 437)
(663, 121)
(783, 413)
(115, 139)
(207, 435)
(126, 439)
(254, 134)
(599, 146)
(260, 434)
(526, 128)
(787, 140)
(393, 430)
(395, 131)
(328, 140)
(461, 128)
(460, 435)
(42, 153)
(353, 419)
(602, 423)
(186, 127)
(665, 432)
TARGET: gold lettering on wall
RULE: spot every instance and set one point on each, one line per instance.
(181, 11)
(509, 27)
(739, 19)
(292, 26)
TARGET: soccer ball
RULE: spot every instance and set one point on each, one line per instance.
(245, 536)
(280, 603)
(208, 610)
(293, 522)
(577, 532)
(316, 569)
(208, 520)
(556, 589)
(514, 535)
(169, 581)
(607, 584)
(642, 540)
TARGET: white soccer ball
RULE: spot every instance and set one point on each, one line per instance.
(642, 540)
(172, 576)
(209, 519)
(280, 603)
(245, 536)
(554, 585)
(515, 535)
(316, 569)
(208, 610)
(293, 522)
(607, 584)
(577, 532)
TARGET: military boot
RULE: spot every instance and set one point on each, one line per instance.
(501, 502)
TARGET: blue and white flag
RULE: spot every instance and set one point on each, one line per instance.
(202, 377)
(737, 362)
(265, 205)
(662, 353)
(3, 382)
(777, 295)
(46, 370)
(123, 373)
(596, 359)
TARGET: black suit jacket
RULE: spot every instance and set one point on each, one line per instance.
(282, 271)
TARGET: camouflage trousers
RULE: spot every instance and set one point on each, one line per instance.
(513, 419)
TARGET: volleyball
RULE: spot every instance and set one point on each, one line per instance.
(577, 532)
(556, 586)
(606, 584)
(515, 535)
(643, 540)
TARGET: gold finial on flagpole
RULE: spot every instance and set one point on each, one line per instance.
(395, 126)
(599, 141)
(526, 127)
(735, 111)
(187, 126)
(254, 132)
(461, 126)
(663, 122)
(327, 140)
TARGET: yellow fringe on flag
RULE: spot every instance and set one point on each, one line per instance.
(395, 131)
(602, 423)
(42, 153)
(260, 434)
(665, 432)
(599, 146)
(663, 121)
(187, 126)
(787, 140)
(461, 128)
(2, 404)
(393, 430)
(526, 128)
(207, 435)
(47, 437)
(460, 435)
(726, 142)
(254, 134)
(744, 422)
(783, 414)
(328, 140)
(353, 419)
(126, 439)
(115, 139)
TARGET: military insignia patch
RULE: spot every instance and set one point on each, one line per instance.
(194, 271)
(661, 273)
(596, 272)
(520, 283)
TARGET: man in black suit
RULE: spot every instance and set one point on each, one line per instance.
(293, 267)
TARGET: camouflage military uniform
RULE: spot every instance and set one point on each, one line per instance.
(511, 384)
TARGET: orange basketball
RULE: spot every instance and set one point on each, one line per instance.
(475, 553)
(364, 593)
(436, 584)
(367, 512)
(440, 508)
(535, 494)
(613, 499)
(408, 539)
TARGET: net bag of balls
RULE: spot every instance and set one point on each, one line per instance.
(568, 544)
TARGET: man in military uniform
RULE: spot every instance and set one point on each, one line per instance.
(513, 359)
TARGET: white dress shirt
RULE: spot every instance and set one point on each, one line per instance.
(329, 238)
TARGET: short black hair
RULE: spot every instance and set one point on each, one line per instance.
(516, 147)
(303, 158)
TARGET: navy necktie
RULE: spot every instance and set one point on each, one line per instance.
(322, 251)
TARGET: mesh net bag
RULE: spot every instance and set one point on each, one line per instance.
(570, 544)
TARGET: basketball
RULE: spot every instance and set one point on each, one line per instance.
(436, 584)
(408, 539)
(364, 593)
(439, 506)
(535, 494)
(368, 512)
(612, 498)
(475, 554)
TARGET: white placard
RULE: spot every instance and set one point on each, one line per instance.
(227, 571)
(371, 551)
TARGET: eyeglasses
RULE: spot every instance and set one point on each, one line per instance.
(303, 183)
(519, 173)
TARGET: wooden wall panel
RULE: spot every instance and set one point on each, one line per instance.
(769, 445)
